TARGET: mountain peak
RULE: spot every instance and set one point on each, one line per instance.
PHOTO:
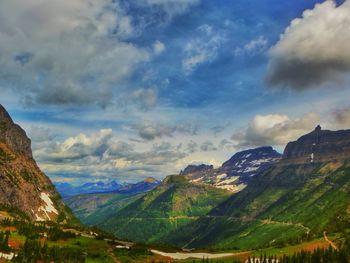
(13, 135)
(253, 154)
(318, 146)
(150, 180)
(4, 116)
(190, 169)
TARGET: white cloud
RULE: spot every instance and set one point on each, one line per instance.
(149, 131)
(158, 47)
(172, 7)
(274, 130)
(314, 49)
(80, 146)
(102, 154)
(60, 51)
(202, 49)
(341, 118)
(208, 146)
(146, 99)
(256, 46)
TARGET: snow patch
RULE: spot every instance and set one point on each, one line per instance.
(49, 204)
(232, 188)
(9, 256)
(38, 218)
(251, 169)
(229, 181)
(197, 180)
(47, 208)
(261, 161)
(221, 176)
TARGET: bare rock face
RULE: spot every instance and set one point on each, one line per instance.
(191, 169)
(13, 135)
(318, 146)
(22, 184)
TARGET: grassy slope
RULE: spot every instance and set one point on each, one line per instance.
(94, 209)
(286, 205)
(173, 204)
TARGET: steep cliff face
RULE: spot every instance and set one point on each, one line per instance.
(13, 135)
(23, 185)
(191, 169)
(318, 146)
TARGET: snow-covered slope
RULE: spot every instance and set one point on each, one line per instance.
(235, 173)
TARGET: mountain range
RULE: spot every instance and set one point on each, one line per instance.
(283, 199)
(299, 198)
(257, 199)
(69, 190)
(177, 201)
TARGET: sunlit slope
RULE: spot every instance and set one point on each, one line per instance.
(286, 205)
(175, 203)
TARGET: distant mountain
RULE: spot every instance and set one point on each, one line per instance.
(297, 199)
(235, 173)
(23, 186)
(141, 187)
(68, 190)
(174, 203)
(98, 206)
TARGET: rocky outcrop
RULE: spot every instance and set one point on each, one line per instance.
(190, 169)
(318, 146)
(23, 185)
(13, 135)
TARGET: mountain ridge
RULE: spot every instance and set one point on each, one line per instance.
(295, 200)
(23, 184)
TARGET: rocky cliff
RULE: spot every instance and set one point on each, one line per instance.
(190, 169)
(318, 146)
(23, 185)
(13, 135)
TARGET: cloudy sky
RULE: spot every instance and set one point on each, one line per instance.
(126, 89)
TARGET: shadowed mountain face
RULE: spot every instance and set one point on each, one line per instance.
(318, 146)
(23, 185)
(296, 199)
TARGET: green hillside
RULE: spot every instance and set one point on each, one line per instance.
(93, 209)
(286, 205)
(173, 204)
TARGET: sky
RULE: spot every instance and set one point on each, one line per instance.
(122, 90)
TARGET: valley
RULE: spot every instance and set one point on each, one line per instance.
(188, 216)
